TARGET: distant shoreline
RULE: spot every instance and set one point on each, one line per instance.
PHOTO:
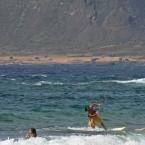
(68, 59)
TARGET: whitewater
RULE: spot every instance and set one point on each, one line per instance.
(80, 140)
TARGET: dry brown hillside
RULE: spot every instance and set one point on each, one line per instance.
(109, 27)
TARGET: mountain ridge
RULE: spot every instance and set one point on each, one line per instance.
(97, 27)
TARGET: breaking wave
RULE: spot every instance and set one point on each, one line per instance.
(133, 139)
(40, 83)
(137, 81)
(39, 75)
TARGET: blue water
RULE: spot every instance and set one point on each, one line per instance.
(52, 98)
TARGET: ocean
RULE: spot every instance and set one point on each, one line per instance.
(51, 98)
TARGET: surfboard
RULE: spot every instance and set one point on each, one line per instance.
(86, 131)
(90, 131)
(118, 128)
(140, 129)
(99, 129)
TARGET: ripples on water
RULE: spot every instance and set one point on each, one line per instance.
(54, 96)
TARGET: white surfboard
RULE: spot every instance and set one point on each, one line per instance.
(140, 129)
(118, 128)
(87, 131)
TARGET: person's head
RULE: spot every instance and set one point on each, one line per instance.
(31, 133)
(86, 108)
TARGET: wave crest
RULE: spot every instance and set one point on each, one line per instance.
(40, 83)
(137, 81)
(80, 140)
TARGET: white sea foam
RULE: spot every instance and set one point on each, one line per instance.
(2, 75)
(40, 75)
(24, 83)
(137, 81)
(80, 140)
(86, 83)
(40, 83)
(13, 79)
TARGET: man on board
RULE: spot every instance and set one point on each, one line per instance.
(93, 116)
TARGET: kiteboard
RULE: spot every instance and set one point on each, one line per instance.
(118, 128)
(90, 131)
(86, 131)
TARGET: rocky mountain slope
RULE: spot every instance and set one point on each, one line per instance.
(112, 27)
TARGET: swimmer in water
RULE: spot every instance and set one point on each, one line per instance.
(31, 133)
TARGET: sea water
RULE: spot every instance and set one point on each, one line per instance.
(51, 98)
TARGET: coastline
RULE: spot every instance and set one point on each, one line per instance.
(68, 59)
